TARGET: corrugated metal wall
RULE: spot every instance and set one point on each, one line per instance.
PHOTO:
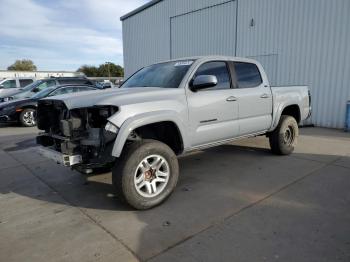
(311, 39)
(298, 42)
(186, 30)
(146, 35)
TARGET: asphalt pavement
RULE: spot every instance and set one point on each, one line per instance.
(235, 202)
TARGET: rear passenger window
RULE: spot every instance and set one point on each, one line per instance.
(62, 91)
(84, 88)
(248, 75)
(25, 82)
(66, 81)
(218, 69)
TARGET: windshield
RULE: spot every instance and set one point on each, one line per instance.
(166, 75)
(32, 85)
(26, 92)
(43, 93)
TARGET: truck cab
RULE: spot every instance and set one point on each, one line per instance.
(239, 104)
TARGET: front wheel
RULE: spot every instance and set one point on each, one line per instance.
(284, 138)
(28, 117)
(146, 174)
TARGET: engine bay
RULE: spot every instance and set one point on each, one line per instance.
(79, 131)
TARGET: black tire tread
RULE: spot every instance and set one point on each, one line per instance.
(123, 191)
(274, 137)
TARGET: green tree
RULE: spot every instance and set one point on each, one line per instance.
(104, 70)
(23, 65)
(110, 69)
(89, 71)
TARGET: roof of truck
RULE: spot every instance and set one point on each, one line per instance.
(213, 57)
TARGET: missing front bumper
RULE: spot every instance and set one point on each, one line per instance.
(66, 160)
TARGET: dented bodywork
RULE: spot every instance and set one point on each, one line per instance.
(77, 132)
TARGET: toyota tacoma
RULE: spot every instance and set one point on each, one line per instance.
(164, 110)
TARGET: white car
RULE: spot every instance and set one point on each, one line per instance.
(10, 85)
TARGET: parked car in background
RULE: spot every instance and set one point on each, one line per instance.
(40, 85)
(164, 110)
(24, 110)
(105, 84)
(13, 84)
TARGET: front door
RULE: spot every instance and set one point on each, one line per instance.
(213, 112)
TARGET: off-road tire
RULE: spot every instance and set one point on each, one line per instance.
(124, 171)
(278, 142)
(22, 116)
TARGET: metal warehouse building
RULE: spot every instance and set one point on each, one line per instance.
(297, 41)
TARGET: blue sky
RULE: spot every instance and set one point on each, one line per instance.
(62, 34)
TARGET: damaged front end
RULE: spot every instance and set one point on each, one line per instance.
(81, 138)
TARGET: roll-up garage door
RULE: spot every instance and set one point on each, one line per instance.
(207, 31)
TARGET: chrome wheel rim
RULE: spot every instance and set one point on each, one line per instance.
(29, 118)
(289, 136)
(151, 176)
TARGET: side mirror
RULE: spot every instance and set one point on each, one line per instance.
(1, 86)
(203, 81)
(35, 90)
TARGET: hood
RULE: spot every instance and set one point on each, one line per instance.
(17, 102)
(115, 97)
(23, 94)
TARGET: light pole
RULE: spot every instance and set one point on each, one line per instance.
(109, 72)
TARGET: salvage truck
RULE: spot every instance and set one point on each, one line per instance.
(165, 110)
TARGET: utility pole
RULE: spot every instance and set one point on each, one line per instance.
(109, 71)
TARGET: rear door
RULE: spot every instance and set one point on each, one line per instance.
(213, 115)
(254, 99)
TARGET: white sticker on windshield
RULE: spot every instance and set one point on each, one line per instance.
(184, 63)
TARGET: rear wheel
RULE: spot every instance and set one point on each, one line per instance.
(146, 174)
(284, 138)
(28, 117)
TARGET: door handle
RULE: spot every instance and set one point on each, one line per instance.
(231, 99)
(264, 96)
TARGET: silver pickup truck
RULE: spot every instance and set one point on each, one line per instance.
(165, 110)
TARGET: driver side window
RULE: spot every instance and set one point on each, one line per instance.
(218, 69)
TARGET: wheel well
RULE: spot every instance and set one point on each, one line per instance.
(166, 132)
(292, 110)
(25, 107)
